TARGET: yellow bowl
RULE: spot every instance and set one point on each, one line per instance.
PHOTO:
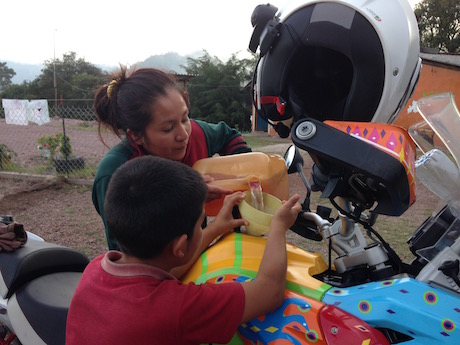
(259, 221)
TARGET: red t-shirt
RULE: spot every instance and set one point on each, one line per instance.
(140, 304)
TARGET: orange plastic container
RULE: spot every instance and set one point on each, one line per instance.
(234, 172)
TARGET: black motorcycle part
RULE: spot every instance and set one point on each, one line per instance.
(431, 230)
(43, 304)
(394, 337)
(261, 16)
(6, 219)
(451, 268)
(35, 259)
(306, 228)
(357, 275)
(355, 170)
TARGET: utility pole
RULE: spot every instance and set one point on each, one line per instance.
(54, 75)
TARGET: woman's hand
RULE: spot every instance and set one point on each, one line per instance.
(214, 192)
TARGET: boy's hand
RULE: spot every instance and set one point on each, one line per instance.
(266, 292)
(214, 192)
(224, 218)
(287, 214)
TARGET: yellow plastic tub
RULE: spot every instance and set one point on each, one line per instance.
(259, 220)
(232, 172)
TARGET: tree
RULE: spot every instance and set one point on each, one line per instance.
(6, 74)
(218, 93)
(439, 24)
(75, 78)
(18, 91)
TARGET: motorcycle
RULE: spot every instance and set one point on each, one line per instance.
(366, 294)
(36, 286)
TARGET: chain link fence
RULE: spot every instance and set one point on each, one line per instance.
(49, 138)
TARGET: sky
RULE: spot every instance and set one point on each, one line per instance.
(125, 31)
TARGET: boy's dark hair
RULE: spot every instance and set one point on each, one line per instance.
(150, 201)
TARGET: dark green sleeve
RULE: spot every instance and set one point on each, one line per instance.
(98, 195)
(118, 155)
(222, 139)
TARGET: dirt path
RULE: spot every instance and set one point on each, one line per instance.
(63, 213)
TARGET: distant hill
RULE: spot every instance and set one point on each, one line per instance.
(171, 62)
(24, 72)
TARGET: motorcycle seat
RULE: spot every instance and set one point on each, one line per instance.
(35, 259)
(39, 308)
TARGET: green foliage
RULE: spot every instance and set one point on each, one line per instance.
(65, 148)
(50, 143)
(218, 93)
(6, 155)
(255, 141)
(16, 91)
(6, 74)
(56, 142)
(439, 24)
(76, 79)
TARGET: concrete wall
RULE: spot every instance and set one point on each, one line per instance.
(434, 78)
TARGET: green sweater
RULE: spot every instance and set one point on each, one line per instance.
(205, 140)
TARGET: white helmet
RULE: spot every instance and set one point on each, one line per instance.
(351, 60)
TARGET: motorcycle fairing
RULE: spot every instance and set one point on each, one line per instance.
(296, 321)
(366, 163)
(241, 254)
(349, 329)
(236, 257)
(302, 320)
(427, 313)
(391, 139)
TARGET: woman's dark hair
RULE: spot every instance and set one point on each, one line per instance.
(152, 200)
(127, 100)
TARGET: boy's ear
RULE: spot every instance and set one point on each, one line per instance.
(179, 246)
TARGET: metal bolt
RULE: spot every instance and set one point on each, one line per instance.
(334, 330)
(305, 130)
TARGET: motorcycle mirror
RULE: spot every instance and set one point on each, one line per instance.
(294, 160)
(294, 164)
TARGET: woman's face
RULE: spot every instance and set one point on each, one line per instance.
(168, 133)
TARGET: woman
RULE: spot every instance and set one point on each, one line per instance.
(150, 113)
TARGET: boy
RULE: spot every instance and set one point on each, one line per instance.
(155, 208)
